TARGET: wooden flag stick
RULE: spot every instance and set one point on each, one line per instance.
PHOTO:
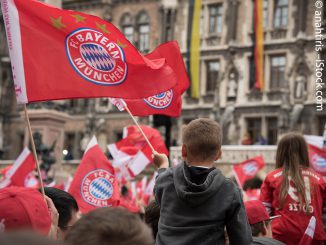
(135, 121)
(34, 149)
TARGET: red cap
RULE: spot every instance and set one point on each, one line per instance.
(23, 208)
(256, 212)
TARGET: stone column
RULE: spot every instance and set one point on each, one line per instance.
(301, 17)
(232, 20)
(50, 124)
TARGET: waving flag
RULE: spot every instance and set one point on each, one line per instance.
(21, 172)
(94, 184)
(318, 159)
(169, 102)
(152, 134)
(248, 169)
(309, 233)
(132, 154)
(61, 54)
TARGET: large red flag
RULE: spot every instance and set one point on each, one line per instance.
(61, 54)
(21, 171)
(248, 169)
(94, 184)
(169, 102)
(318, 159)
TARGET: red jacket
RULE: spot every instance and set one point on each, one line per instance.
(290, 227)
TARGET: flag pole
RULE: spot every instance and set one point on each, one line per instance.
(34, 149)
(135, 121)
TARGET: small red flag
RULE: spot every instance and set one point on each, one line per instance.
(152, 134)
(21, 171)
(318, 160)
(62, 54)
(248, 169)
(133, 153)
(94, 184)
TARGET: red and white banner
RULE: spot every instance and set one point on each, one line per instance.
(62, 54)
(248, 169)
(21, 172)
(94, 184)
(308, 236)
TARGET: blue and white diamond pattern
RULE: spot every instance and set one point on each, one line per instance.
(97, 57)
(101, 188)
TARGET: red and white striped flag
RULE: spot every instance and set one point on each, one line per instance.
(308, 236)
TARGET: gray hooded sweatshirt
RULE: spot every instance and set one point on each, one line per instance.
(194, 214)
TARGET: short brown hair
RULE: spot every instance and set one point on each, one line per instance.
(202, 138)
(110, 226)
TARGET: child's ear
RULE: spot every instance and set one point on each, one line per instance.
(218, 155)
(184, 151)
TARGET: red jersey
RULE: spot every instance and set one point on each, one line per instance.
(291, 226)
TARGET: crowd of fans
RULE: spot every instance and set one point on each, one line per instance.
(194, 204)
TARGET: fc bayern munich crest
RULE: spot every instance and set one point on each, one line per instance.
(97, 188)
(250, 168)
(319, 163)
(160, 101)
(95, 57)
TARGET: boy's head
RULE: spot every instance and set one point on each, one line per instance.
(201, 141)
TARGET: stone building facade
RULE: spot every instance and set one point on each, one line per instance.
(227, 74)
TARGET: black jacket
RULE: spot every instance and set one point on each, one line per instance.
(194, 214)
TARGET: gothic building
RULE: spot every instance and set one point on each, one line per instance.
(227, 75)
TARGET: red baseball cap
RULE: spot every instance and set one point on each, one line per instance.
(23, 208)
(256, 212)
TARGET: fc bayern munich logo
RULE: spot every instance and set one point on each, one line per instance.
(250, 168)
(160, 101)
(95, 57)
(97, 188)
(319, 163)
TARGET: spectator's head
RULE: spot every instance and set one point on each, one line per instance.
(259, 219)
(254, 183)
(291, 155)
(110, 226)
(23, 209)
(66, 206)
(26, 238)
(202, 139)
(152, 216)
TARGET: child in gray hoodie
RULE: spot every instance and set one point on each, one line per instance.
(196, 201)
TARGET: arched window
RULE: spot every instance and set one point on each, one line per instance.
(127, 27)
(143, 31)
